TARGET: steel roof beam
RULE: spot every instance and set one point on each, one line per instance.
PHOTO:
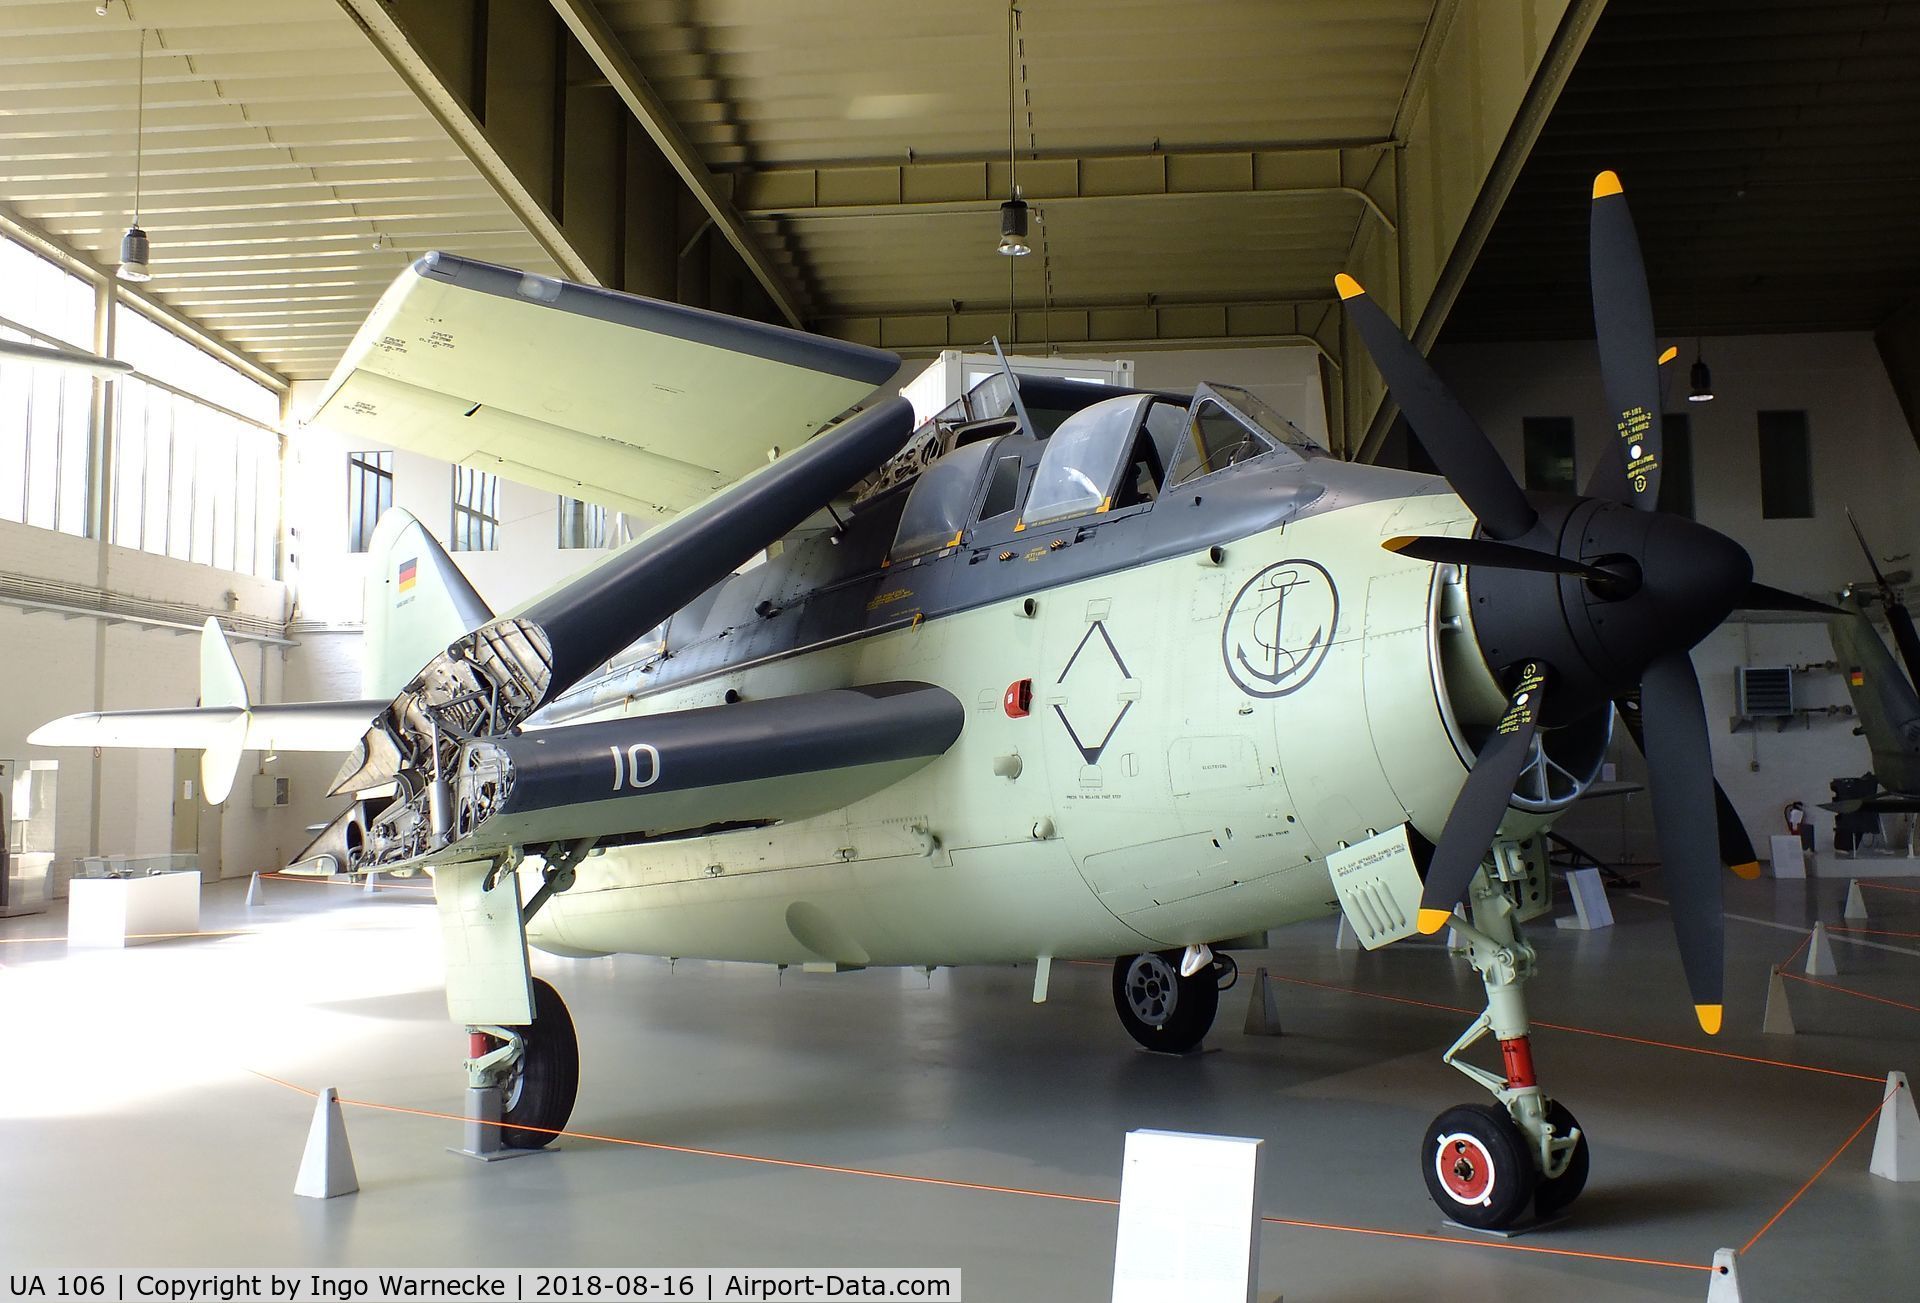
(603, 47)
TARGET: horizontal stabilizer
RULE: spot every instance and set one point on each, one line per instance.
(639, 405)
(301, 726)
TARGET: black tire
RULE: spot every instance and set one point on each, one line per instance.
(537, 1097)
(1554, 1195)
(1477, 1167)
(1159, 1008)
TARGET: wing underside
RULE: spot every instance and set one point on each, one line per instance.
(642, 406)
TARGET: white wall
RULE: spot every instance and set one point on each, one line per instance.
(65, 664)
(1863, 457)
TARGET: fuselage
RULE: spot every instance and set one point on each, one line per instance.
(1175, 711)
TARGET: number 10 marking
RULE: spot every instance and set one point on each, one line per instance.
(627, 767)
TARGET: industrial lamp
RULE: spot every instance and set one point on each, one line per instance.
(134, 246)
(1701, 378)
(1013, 229)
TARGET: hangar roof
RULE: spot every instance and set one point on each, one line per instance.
(279, 144)
(1768, 149)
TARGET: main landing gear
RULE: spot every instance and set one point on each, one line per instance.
(522, 1080)
(1486, 1164)
(1163, 1010)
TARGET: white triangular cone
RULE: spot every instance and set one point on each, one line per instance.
(1820, 954)
(1725, 1286)
(326, 1169)
(1856, 903)
(1344, 939)
(1263, 1014)
(253, 890)
(1778, 1020)
(1896, 1145)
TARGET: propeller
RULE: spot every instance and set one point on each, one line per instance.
(1453, 439)
(1589, 601)
(1482, 803)
(1898, 621)
(1623, 329)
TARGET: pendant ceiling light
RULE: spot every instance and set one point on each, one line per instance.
(134, 247)
(1700, 378)
(1013, 213)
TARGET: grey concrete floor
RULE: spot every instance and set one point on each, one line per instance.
(136, 1128)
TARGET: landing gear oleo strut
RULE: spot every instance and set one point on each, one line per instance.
(1484, 1164)
(521, 1077)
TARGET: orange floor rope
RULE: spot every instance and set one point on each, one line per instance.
(1590, 1031)
(1858, 995)
(1487, 1244)
(1888, 886)
(1823, 1169)
(1869, 931)
(980, 1186)
(1805, 941)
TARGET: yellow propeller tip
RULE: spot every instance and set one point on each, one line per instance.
(1607, 183)
(1709, 1016)
(1348, 286)
(1432, 920)
(1669, 355)
(1750, 870)
(1396, 544)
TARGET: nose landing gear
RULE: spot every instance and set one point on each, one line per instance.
(1485, 1164)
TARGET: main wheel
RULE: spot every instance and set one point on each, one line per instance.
(537, 1096)
(1552, 1195)
(1161, 1009)
(1477, 1166)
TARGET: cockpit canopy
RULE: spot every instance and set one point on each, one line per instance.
(1113, 455)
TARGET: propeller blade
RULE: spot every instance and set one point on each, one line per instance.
(1482, 803)
(1736, 848)
(1759, 597)
(1623, 324)
(1451, 437)
(1442, 550)
(1680, 776)
(1899, 623)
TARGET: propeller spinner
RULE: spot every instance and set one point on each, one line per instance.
(1584, 603)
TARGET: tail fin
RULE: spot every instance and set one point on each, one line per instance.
(417, 603)
(1883, 699)
(221, 688)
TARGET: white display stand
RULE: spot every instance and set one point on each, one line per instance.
(1789, 857)
(1591, 908)
(1189, 1219)
(125, 911)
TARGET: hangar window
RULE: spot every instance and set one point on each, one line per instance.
(1082, 467)
(1786, 466)
(476, 511)
(1676, 464)
(196, 460)
(1547, 449)
(369, 494)
(585, 524)
(44, 414)
(942, 501)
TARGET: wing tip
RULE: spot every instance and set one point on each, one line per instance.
(1349, 287)
(1607, 183)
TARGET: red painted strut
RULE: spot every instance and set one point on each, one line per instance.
(1518, 1056)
